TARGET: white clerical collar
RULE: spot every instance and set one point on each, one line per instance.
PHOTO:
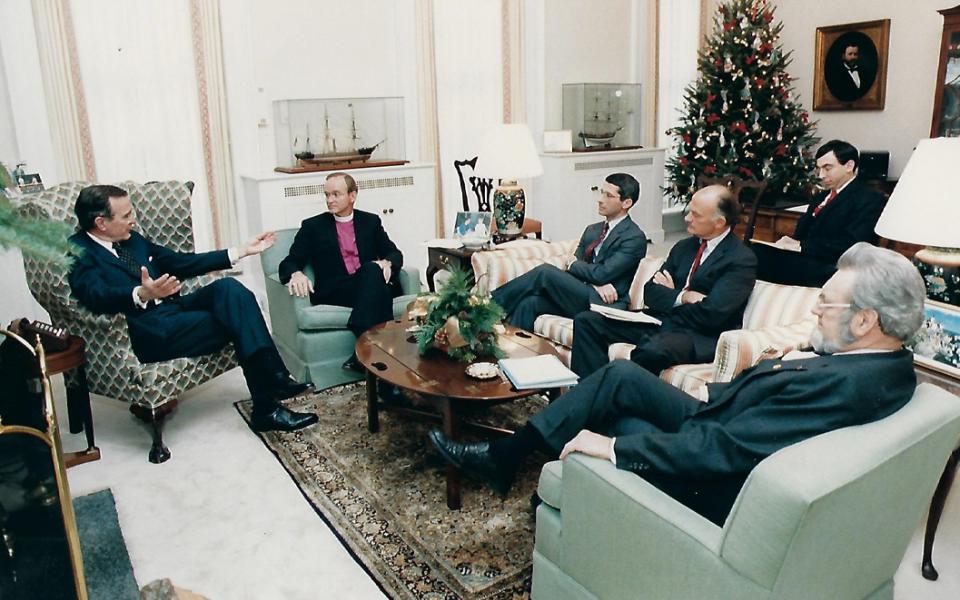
(107, 245)
(345, 219)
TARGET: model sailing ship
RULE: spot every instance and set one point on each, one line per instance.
(603, 125)
(329, 152)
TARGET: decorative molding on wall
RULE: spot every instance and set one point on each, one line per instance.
(612, 164)
(513, 73)
(63, 87)
(211, 91)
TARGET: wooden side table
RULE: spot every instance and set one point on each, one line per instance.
(925, 375)
(78, 397)
(446, 258)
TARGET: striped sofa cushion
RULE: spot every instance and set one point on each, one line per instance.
(648, 266)
(494, 268)
(556, 329)
(689, 378)
(774, 304)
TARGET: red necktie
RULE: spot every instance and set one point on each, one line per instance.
(588, 255)
(833, 194)
(696, 259)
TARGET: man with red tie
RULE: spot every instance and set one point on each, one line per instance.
(844, 213)
(700, 292)
(600, 272)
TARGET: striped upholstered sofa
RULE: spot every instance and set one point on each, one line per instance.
(777, 318)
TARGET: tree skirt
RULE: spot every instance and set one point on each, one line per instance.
(383, 495)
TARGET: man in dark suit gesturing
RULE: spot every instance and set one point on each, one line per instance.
(355, 264)
(844, 213)
(701, 451)
(600, 271)
(121, 271)
(699, 293)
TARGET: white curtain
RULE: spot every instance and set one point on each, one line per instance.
(137, 64)
(63, 90)
(679, 41)
(469, 85)
(208, 58)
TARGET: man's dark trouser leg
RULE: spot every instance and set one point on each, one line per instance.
(561, 289)
(666, 349)
(592, 335)
(618, 390)
(367, 294)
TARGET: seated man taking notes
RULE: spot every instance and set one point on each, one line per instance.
(700, 292)
(844, 213)
(600, 272)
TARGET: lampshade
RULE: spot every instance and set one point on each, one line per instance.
(507, 152)
(925, 205)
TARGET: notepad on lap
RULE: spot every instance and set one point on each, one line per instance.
(544, 371)
(633, 316)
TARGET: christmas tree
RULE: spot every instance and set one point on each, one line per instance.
(741, 116)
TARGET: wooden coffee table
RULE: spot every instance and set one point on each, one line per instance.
(389, 353)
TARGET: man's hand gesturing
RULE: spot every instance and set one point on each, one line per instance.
(159, 288)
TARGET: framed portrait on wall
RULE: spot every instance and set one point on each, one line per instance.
(850, 66)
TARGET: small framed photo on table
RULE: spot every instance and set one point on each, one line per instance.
(936, 345)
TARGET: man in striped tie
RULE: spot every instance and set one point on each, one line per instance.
(844, 213)
(600, 272)
(700, 292)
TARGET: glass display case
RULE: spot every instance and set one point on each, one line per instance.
(338, 130)
(602, 116)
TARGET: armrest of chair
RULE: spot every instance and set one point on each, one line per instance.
(612, 518)
(284, 308)
(741, 349)
(409, 281)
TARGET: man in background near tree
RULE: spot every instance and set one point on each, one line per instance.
(844, 213)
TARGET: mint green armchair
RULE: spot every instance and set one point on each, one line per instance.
(314, 340)
(829, 517)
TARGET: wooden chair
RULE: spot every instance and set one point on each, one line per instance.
(749, 202)
(482, 189)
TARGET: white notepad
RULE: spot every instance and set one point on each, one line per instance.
(543, 371)
(632, 316)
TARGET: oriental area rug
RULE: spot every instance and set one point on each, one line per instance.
(383, 494)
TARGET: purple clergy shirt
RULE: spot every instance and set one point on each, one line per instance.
(347, 240)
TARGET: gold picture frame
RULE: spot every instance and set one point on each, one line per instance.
(837, 86)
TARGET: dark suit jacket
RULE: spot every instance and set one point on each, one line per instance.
(101, 283)
(768, 407)
(726, 277)
(618, 257)
(847, 219)
(316, 245)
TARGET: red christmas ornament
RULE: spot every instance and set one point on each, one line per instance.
(711, 119)
(710, 169)
(712, 97)
(759, 82)
(781, 150)
(804, 116)
(686, 138)
(738, 126)
(764, 48)
(747, 172)
(683, 161)
(718, 63)
(768, 16)
(750, 59)
(728, 25)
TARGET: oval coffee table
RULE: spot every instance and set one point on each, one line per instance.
(389, 353)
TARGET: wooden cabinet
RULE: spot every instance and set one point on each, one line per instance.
(402, 196)
(946, 108)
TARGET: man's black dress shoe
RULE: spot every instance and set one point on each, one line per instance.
(474, 459)
(282, 419)
(353, 364)
(285, 386)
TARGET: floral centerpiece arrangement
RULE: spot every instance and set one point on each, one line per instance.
(458, 321)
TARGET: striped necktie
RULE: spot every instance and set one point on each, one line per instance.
(588, 255)
(833, 194)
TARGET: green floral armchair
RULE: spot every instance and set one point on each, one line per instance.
(153, 389)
